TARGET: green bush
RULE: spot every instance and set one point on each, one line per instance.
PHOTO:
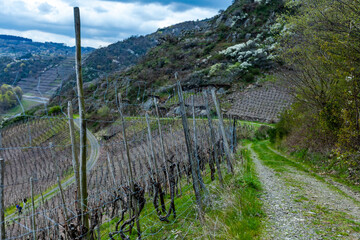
(55, 110)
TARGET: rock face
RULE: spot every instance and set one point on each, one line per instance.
(262, 104)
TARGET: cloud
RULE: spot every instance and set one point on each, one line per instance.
(45, 8)
(103, 22)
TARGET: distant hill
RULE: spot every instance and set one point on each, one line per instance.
(23, 61)
(14, 38)
(14, 46)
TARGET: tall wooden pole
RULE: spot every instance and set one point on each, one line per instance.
(196, 182)
(229, 155)
(196, 154)
(63, 201)
(152, 148)
(33, 222)
(212, 137)
(75, 157)
(166, 165)
(111, 170)
(79, 80)
(132, 185)
(2, 209)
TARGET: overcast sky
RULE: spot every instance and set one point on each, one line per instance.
(103, 22)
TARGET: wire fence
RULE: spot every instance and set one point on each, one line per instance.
(41, 197)
(39, 148)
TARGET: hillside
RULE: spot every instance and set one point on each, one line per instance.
(242, 126)
(229, 52)
(22, 59)
(49, 80)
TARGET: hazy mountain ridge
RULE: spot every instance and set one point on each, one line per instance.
(17, 47)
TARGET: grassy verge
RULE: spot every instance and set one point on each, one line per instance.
(235, 212)
(273, 160)
(324, 166)
(329, 222)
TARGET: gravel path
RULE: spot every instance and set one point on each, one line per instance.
(299, 206)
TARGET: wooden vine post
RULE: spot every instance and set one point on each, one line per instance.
(79, 80)
(111, 169)
(2, 209)
(33, 221)
(2, 187)
(197, 159)
(213, 140)
(152, 148)
(131, 178)
(75, 157)
(196, 182)
(162, 143)
(63, 202)
(229, 155)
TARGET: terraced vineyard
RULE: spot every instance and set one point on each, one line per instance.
(50, 80)
(27, 153)
(262, 104)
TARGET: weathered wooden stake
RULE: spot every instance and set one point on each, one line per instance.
(63, 201)
(2, 209)
(196, 184)
(33, 209)
(152, 148)
(196, 154)
(162, 144)
(79, 80)
(111, 169)
(234, 135)
(75, 157)
(213, 140)
(47, 221)
(177, 166)
(131, 179)
(229, 155)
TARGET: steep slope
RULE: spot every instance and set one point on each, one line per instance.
(22, 59)
(120, 55)
(46, 84)
(228, 51)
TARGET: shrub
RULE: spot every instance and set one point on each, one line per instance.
(54, 110)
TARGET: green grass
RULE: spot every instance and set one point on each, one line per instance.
(27, 104)
(242, 216)
(235, 212)
(323, 165)
(273, 160)
(329, 222)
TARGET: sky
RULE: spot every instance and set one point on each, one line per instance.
(102, 22)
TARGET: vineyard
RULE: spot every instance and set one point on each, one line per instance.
(36, 148)
(263, 103)
(48, 81)
(159, 167)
